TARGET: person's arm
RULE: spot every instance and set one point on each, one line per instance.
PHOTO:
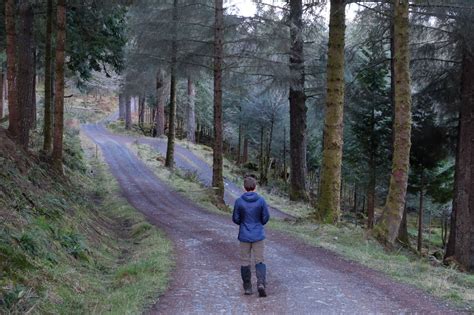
(236, 213)
(265, 213)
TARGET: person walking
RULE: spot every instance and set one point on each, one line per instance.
(251, 214)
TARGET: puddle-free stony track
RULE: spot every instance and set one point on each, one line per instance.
(302, 279)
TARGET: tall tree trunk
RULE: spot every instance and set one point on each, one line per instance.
(141, 110)
(461, 239)
(128, 112)
(372, 177)
(33, 116)
(420, 215)
(217, 165)
(5, 88)
(444, 230)
(452, 224)
(1, 91)
(239, 144)
(57, 155)
(198, 132)
(269, 149)
(371, 194)
(354, 206)
(13, 109)
(122, 101)
(161, 95)
(329, 204)
(48, 81)
(393, 210)
(191, 117)
(245, 154)
(172, 110)
(298, 108)
(24, 80)
(147, 115)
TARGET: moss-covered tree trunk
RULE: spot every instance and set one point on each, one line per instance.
(393, 211)
(57, 155)
(329, 202)
(217, 165)
(10, 29)
(461, 239)
(190, 112)
(403, 230)
(297, 98)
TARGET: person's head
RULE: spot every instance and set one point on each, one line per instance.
(250, 183)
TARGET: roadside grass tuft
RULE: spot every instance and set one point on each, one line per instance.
(183, 182)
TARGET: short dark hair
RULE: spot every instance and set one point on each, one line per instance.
(250, 183)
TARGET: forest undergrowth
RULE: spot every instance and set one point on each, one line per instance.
(71, 244)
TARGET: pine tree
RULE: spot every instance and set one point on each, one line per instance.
(13, 109)
(329, 203)
(48, 81)
(217, 165)
(298, 108)
(395, 202)
(57, 156)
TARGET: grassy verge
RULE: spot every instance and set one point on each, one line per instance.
(404, 266)
(185, 183)
(73, 245)
(118, 127)
(348, 240)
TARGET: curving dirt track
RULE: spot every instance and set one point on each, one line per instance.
(188, 161)
(301, 280)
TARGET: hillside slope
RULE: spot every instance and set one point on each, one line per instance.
(71, 244)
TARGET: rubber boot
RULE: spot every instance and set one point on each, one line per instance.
(261, 270)
(246, 274)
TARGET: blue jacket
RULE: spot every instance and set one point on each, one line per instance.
(251, 213)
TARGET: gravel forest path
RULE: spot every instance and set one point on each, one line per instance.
(302, 279)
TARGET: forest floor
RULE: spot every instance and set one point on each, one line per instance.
(206, 279)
